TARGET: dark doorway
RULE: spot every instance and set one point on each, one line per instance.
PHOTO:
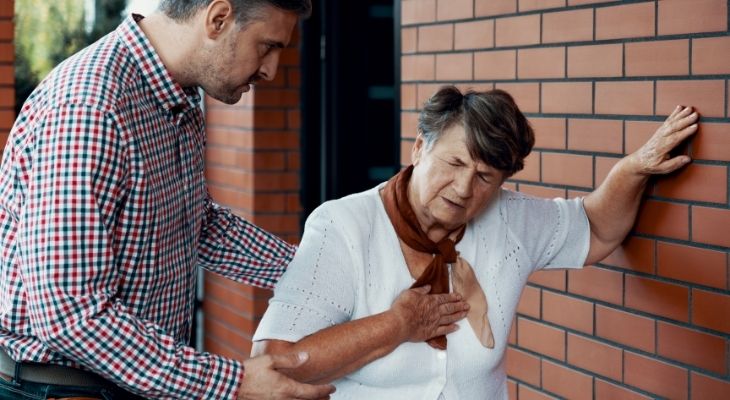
(349, 98)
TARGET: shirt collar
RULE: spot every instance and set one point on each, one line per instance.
(171, 96)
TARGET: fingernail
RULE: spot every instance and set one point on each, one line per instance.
(303, 356)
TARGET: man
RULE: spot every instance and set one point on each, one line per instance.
(104, 213)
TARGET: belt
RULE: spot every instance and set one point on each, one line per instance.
(49, 374)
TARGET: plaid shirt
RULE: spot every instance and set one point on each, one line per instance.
(104, 216)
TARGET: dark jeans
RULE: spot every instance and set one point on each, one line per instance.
(25, 390)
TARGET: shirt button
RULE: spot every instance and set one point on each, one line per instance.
(441, 355)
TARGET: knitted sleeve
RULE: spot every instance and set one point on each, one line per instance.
(318, 289)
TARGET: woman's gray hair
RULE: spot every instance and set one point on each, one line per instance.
(497, 132)
(246, 10)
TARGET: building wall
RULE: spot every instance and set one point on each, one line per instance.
(596, 78)
(7, 70)
(252, 166)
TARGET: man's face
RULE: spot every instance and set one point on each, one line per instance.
(243, 56)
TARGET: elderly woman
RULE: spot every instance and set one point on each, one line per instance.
(444, 224)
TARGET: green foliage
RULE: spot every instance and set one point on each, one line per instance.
(48, 32)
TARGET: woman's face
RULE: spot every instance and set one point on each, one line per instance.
(448, 188)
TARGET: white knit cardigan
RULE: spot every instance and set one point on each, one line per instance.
(349, 265)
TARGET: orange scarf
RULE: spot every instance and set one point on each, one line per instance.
(405, 222)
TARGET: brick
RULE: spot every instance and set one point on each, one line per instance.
(567, 97)
(605, 60)
(294, 77)
(711, 55)
(710, 225)
(692, 347)
(409, 124)
(232, 157)
(485, 8)
(405, 151)
(512, 338)
(408, 96)
(582, 2)
(546, 62)
(567, 169)
(626, 98)
(435, 37)
(626, 328)
(418, 11)
(495, 65)
(707, 96)
(293, 120)
(542, 191)
(511, 389)
(293, 161)
(409, 40)
(453, 67)
(638, 133)
(706, 387)
(712, 142)
(636, 254)
(664, 219)
(678, 16)
(655, 376)
(609, 391)
(659, 298)
(526, 95)
(7, 52)
(598, 135)
(7, 74)
(597, 283)
(531, 5)
(625, 21)
(230, 117)
(518, 31)
(528, 393)
(554, 279)
(594, 356)
(696, 182)
(567, 26)
(454, 9)
(278, 224)
(418, 67)
(710, 310)
(289, 57)
(550, 133)
(566, 382)
(276, 97)
(7, 8)
(6, 31)
(657, 58)
(541, 338)
(603, 167)
(567, 311)
(523, 366)
(692, 264)
(530, 302)
(474, 35)
(7, 97)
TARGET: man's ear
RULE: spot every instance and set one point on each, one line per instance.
(218, 17)
(418, 149)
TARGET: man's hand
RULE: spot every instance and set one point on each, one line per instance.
(423, 316)
(263, 381)
(653, 157)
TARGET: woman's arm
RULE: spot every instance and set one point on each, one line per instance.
(612, 208)
(415, 316)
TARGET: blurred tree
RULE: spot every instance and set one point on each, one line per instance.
(48, 32)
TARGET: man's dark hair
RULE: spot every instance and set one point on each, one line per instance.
(245, 10)
(497, 132)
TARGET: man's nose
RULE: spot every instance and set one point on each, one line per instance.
(267, 71)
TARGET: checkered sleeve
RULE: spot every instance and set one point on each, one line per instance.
(235, 248)
(69, 266)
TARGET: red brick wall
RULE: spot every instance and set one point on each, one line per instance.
(596, 77)
(7, 70)
(252, 166)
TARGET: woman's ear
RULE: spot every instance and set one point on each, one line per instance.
(418, 148)
(218, 17)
